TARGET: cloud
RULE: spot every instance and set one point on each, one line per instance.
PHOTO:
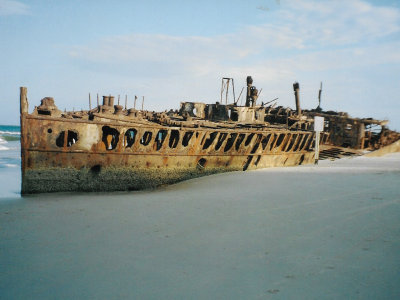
(263, 8)
(11, 7)
(304, 41)
(340, 59)
(333, 23)
(302, 26)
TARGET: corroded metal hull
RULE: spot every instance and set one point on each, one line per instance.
(102, 155)
(111, 148)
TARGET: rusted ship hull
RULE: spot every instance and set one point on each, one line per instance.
(156, 155)
(111, 148)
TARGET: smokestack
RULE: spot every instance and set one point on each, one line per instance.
(296, 88)
(106, 100)
(111, 100)
(248, 96)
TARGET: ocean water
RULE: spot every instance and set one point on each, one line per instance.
(10, 161)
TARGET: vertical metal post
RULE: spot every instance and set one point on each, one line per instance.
(134, 104)
(319, 95)
(126, 101)
(23, 102)
(236, 100)
(222, 88)
(233, 89)
(296, 88)
(319, 123)
(227, 89)
(90, 103)
(249, 81)
(317, 136)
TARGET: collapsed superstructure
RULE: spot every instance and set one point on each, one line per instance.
(112, 147)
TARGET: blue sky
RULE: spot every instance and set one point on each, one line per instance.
(173, 51)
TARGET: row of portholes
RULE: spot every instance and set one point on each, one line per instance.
(230, 141)
(285, 142)
(288, 142)
(111, 135)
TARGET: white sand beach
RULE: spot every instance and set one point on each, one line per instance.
(329, 231)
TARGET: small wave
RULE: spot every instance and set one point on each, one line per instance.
(10, 165)
(7, 136)
(10, 132)
(4, 148)
(10, 138)
(2, 141)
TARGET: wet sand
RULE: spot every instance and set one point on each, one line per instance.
(330, 231)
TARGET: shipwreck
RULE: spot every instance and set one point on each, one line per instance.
(111, 147)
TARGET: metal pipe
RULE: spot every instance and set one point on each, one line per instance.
(222, 88)
(249, 81)
(319, 96)
(233, 89)
(227, 89)
(239, 95)
(90, 103)
(296, 88)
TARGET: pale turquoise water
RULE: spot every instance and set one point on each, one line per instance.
(10, 161)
